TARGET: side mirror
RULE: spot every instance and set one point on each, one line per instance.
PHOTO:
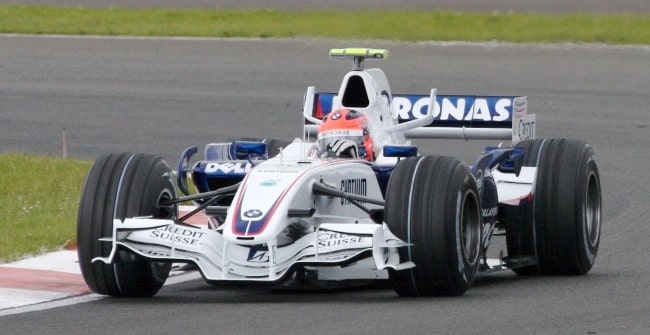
(246, 149)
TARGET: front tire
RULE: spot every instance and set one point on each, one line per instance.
(561, 224)
(433, 203)
(121, 185)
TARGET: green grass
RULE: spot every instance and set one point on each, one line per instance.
(623, 28)
(38, 203)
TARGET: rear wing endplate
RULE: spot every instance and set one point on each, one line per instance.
(454, 116)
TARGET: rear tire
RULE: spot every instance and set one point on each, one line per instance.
(561, 224)
(433, 202)
(121, 185)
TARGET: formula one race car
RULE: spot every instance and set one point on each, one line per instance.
(357, 203)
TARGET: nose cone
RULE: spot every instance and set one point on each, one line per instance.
(260, 207)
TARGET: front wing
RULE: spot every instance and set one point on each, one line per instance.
(334, 244)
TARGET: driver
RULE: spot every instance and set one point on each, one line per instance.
(344, 134)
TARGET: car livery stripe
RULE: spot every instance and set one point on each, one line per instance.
(248, 228)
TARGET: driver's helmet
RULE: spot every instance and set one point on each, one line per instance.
(346, 125)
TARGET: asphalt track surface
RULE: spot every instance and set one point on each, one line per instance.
(162, 95)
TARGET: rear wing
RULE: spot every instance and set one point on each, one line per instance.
(454, 116)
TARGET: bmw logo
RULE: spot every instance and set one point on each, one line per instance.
(253, 213)
(336, 116)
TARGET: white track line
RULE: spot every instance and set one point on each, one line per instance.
(39, 306)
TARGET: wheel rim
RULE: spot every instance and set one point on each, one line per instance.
(591, 210)
(470, 228)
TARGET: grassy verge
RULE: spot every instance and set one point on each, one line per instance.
(38, 203)
(374, 24)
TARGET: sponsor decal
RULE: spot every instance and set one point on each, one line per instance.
(455, 108)
(526, 129)
(520, 106)
(277, 171)
(334, 239)
(465, 108)
(357, 186)
(269, 183)
(179, 235)
(489, 211)
(253, 213)
(333, 133)
(258, 256)
(340, 133)
(228, 168)
(154, 253)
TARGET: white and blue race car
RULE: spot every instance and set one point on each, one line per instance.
(351, 199)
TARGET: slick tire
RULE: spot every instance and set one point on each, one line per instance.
(433, 203)
(560, 225)
(121, 185)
